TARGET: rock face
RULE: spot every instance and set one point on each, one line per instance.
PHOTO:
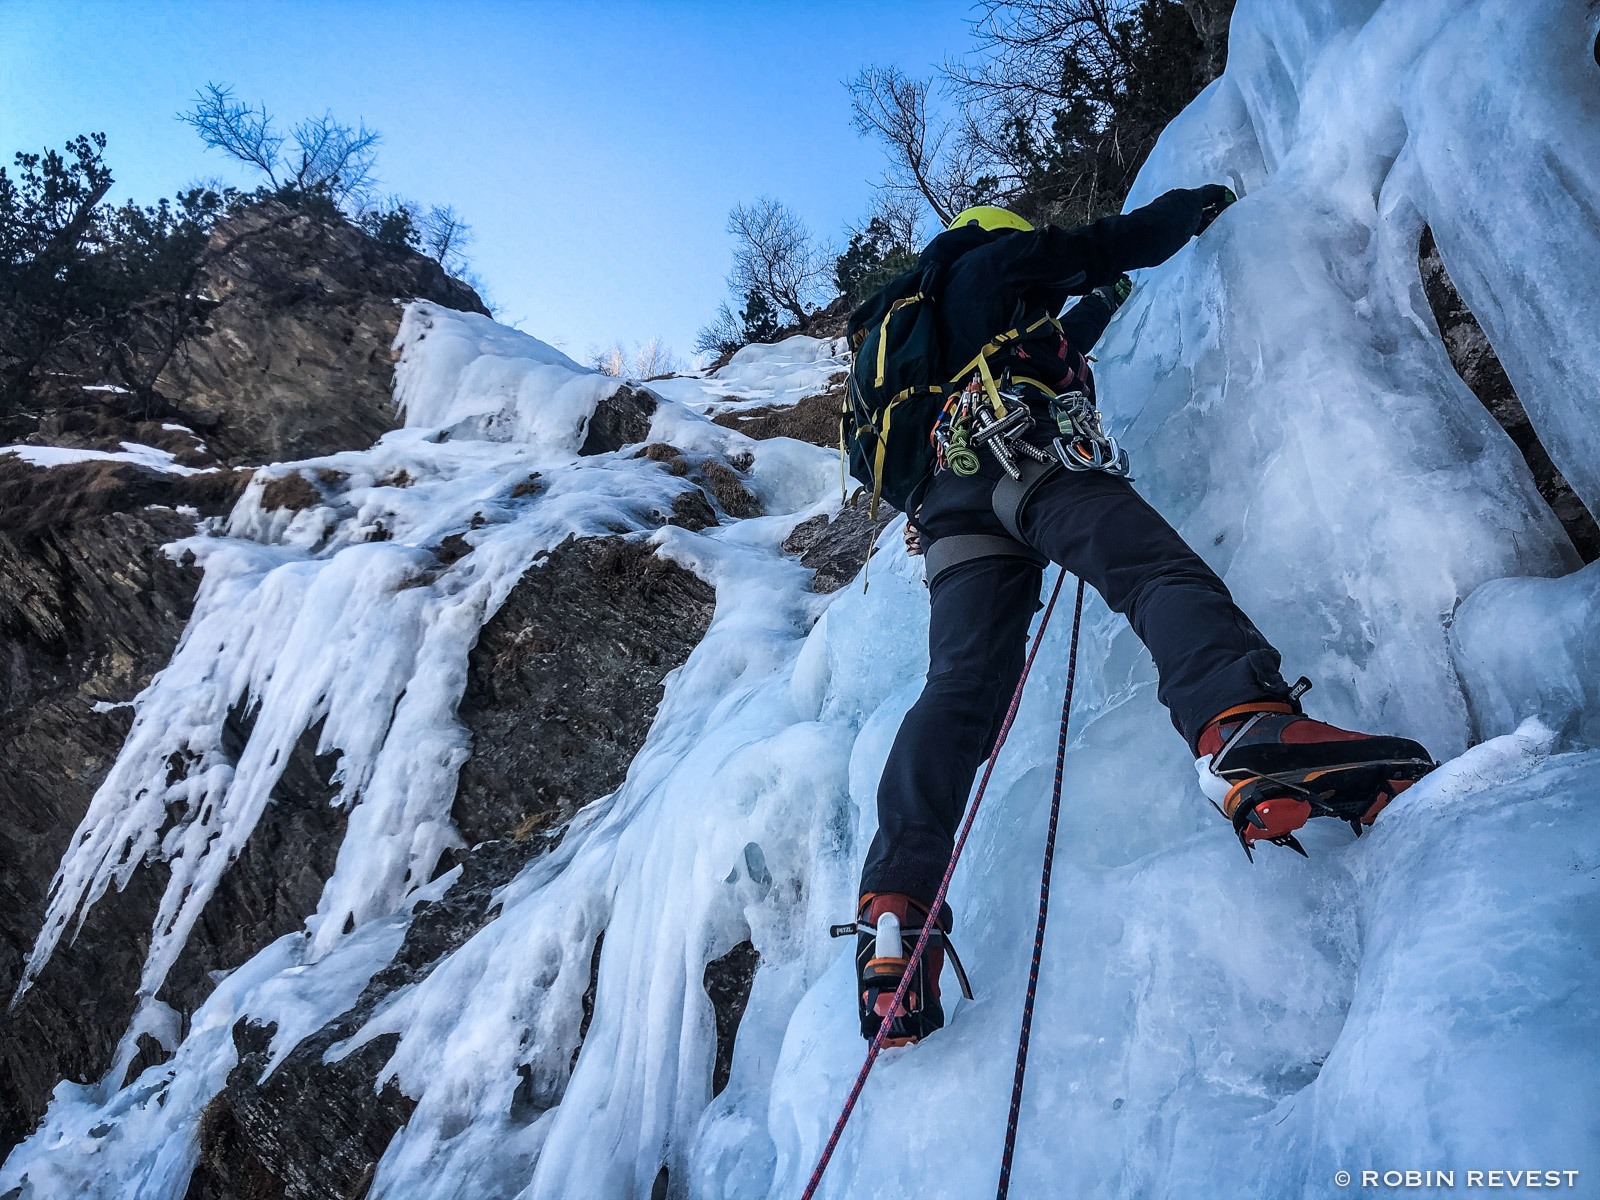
(1479, 367)
(728, 981)
(295, 359)
(90, 608)
(315, 1130)
(621, 419)
(837, 549)
(561, 690)
(814, 419)
(295, 362)
(565, 680)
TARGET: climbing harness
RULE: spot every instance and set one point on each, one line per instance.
(930, 923)
(979, 417)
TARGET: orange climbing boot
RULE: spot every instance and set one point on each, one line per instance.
(887, 927)
(1281, 768)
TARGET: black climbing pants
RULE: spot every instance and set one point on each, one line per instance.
(1207, 652)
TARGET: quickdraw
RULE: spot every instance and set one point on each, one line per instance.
(1084, 445)
(969, 421)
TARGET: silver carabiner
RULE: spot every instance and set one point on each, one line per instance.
(1104, 454)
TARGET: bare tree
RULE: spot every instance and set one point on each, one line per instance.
(609, 360)
(654, 358)
(235, 128)
(647, 361)
(1022, 46)
(900, 213)
(775, 255)
(924, 158)
(445, 237)
(724, 334)
(325, 155)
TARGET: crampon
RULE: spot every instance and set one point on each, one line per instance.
(886, 929)
(1282, 768)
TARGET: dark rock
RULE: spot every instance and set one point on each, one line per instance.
(587, 1002)
(836, 550)
(669, 455)
(315, 1129)
(275, 882)
(806, 534)
(34, 501)
(292, 491)
(729, 490)
(829, 321)
(452, 549)
(692, 511)
(728, 981)
(81, 420)
(1479, 367)
(565, 679)
(285, 1140)
(619, 420)
(90, 608)
(295, 361)
(814, 419)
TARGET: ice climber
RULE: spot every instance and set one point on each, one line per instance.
(1022, 474)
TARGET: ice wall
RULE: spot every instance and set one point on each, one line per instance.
(1421, 997)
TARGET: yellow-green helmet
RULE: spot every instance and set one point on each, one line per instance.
(987, 216)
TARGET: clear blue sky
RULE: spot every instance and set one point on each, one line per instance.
(594, 148)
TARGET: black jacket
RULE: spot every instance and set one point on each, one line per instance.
(993, 281)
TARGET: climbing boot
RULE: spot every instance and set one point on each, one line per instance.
(887, 927)
(1280, 768)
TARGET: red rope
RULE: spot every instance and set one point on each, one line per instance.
(1044, 912)
(932, 918)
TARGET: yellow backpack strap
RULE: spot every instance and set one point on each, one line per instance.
(877, 462)
(977, 361)
(1032, 382)
(883, 331)
(989, 386)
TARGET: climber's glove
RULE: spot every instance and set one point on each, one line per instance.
(1116, 292)
(1213, 198)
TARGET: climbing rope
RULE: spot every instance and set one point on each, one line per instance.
(1044, 912)
(931, 921)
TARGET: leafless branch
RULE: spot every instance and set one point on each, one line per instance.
(445, 236)
(227, 124)
(775, 254)
(336, 157)
(891, 106)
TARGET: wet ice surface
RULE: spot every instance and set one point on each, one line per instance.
(1422, 997)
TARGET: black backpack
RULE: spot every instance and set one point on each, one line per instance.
(895, 391)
